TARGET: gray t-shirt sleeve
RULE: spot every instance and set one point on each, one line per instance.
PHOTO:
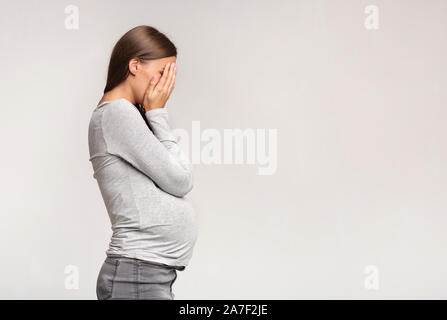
(156, 154)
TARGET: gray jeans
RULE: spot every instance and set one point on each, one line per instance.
(128, 278)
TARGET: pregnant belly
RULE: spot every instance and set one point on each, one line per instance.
(169, 217)
(161, 215)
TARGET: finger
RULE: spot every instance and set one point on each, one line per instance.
(171, 86)
(168, 81)
(150, 88)
(152, 85)
(162, 82)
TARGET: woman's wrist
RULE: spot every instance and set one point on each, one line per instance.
(152, 108)
(158, 121)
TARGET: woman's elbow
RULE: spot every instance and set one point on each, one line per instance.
(181, 186)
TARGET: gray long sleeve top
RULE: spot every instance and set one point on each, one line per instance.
(143, 177)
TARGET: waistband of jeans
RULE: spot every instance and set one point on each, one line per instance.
(116, 258)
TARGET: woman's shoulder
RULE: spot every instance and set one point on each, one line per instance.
(118, 108)
(123, 102)
(119, 115)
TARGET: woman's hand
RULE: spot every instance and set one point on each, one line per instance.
(157, 94)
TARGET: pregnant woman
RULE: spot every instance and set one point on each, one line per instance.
(142, 173)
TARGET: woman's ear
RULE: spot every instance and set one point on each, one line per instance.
(133, 66)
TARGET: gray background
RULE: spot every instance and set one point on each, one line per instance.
(361, 176)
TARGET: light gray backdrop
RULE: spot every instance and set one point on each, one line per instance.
(357, 205)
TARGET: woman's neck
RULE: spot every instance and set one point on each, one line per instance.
(119, 92)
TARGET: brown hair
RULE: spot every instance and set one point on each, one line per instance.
(142, 42)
